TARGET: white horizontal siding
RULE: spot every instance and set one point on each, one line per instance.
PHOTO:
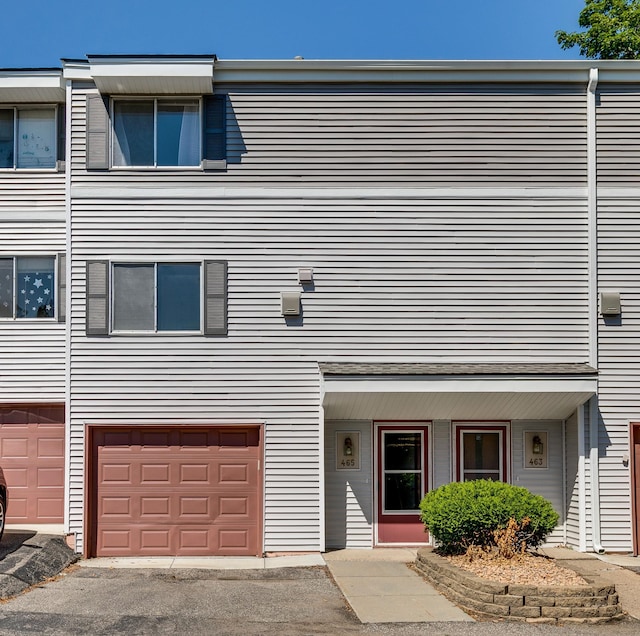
(573, 529)
(349, 493)
(442, 453)
(495, 276)
(546, 482)
(618, 135)
(26, 191)
(336, 135)
(619, 363)
(32, 351)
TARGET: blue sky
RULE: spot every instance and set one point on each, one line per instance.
(39, 32)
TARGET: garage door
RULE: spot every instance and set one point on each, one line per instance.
(32, 457)
(180, 491)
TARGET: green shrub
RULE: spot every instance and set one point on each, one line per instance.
(461, 514)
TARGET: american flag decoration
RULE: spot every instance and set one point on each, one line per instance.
(34, 294)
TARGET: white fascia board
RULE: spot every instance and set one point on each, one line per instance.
(76, 70)
(173, 76)
(41, 86)
(442, 384)
(393, 71)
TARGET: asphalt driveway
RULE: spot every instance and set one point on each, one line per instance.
(286, 602)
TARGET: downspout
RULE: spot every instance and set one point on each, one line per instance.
(67, 326)
(592, 205)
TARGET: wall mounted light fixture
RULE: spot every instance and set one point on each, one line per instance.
(537, 445)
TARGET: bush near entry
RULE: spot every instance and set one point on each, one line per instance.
(462, 514)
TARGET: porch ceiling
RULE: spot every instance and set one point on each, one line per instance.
(478, 392)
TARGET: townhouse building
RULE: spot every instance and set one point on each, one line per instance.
(286, 298)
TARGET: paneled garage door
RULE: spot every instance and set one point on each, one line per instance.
(176, 491)
(32, 457)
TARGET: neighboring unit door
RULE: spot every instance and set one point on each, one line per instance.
(401, 483)
(175, 491)
(32, 458)
(481, 452)
(635, 484)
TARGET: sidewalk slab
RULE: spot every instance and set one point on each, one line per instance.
(205, 563)
(387, 590)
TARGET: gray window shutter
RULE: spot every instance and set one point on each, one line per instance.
(215, 135)
(61, 137)
(61, 301)
(215, 298)
(97, 298)
(97, 133)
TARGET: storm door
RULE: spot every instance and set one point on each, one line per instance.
(402, 482)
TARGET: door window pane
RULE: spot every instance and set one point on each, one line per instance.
(133, 128)
(133, 297)
(402, 491)
(481, 455)
(178, 297)
(402, 451)
(36, 138)
(35, 287)
(178, 131)
(6, 138)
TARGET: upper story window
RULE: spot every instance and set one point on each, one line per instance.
(28, 138)
(156, 133)
(28, 287)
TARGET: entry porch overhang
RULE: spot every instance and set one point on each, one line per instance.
(455, 391)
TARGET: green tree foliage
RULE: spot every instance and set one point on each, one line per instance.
(612, 30)
(462, 514)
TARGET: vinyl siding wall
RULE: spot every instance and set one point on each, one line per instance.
(618, 115)
(349, 493)
(547, 482)
(32, 223)
(401, 274)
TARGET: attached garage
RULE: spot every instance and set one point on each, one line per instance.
(175, 491)
(32, 457)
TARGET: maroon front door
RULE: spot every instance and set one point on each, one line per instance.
(402, 481)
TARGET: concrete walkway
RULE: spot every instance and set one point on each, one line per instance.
(381, 588)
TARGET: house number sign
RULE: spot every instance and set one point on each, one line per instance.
(536, 449)
(348, 450)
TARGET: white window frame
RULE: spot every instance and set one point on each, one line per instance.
(15, 109)
(422, 472)
(155, 330)
(55, 286)
(503, 430)
(155, 100)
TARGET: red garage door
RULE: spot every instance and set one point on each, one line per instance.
(176, 491)
(32, 457)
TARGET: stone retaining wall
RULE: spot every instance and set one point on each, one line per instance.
(594, 603)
